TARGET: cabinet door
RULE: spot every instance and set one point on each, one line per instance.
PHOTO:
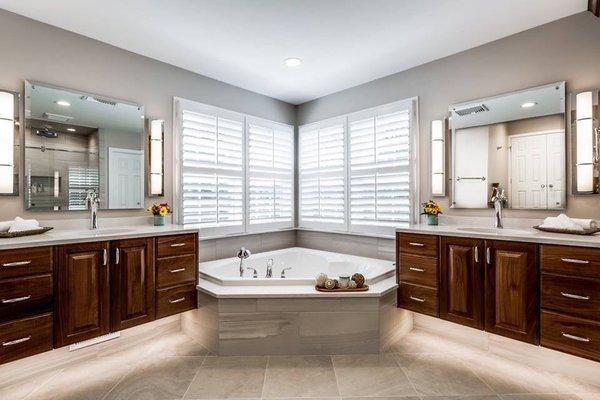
(461, 281)
(511, 291)
(82, 295)
(132, 283)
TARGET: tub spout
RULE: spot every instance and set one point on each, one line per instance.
(242, 254)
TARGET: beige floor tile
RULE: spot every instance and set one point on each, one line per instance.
(157, 378)
(384, 398)
(568, 384)
(441, 375)
(177, 345)
(371, 375)
(540, 397)
(20, 390)
(466, 397)
(300, 376)
(422, 342)
(229, 377)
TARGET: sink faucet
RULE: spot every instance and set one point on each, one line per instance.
(92, 201)
(498, 199)
(269, 268)
(242, 254)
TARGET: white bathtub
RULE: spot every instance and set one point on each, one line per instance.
(305, 265)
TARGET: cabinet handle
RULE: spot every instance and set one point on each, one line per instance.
(16, 299)
(174, 271)
(16, 341)
(574, 261)
(476, 254)
(415, 244)
(488, 255)
(178, 244)
(179, 300)
(420, 300)
(575, 296)
(577, 338)
(104, 257)
(417, 269)
(117, 255)
(16, 263)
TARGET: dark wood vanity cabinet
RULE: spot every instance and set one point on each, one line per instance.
(462, 281)
(82, 307)
(512, 290)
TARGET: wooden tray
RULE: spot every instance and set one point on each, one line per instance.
(583, 232)
(6, 235)
(362, 289)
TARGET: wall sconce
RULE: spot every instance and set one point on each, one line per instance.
(438, 158)
(9, 122)
(156, 184)
(586, 148)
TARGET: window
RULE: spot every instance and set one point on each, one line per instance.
(235, 173)
(369, 187)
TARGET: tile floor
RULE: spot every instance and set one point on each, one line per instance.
(422, 366)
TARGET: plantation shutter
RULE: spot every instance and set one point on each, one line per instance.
(270, 175)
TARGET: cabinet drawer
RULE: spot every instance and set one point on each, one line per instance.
(20, 262)
(176, 270)
(175, 300)
(579, 261)
(573, 335)
(570, 295)
(25, 337)
(418, 269)
(24, 296)
(424, 245)
(168, 246)
(418, 298)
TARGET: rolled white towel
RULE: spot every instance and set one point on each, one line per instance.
(586, 223)
(562, 222)
(20, 224)
(5, 225)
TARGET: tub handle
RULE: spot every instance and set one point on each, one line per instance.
(283, 272)
(254, 272)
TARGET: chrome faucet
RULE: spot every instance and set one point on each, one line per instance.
(92, 201)
(269, 268)
(242, 254)
(499, 198)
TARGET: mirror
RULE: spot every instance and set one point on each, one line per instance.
(514, 143)
(77, 142)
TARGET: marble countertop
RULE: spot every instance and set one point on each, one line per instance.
(66, 236)
(510, 234)
(290, 291)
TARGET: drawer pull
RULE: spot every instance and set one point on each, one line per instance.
(16, 341)
(179, 300)
(574, 261)
(417, 269)
(577, 338)
(178, 245)
(16, 299)
(16, 263)
(420, 300)
(575, 296)
(415, 244)
(174, 271)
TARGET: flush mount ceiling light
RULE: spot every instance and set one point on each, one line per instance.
(528, 104)
(292, 62)
(71, 129)
(63, 103)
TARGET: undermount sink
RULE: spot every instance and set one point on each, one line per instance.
(497, 231)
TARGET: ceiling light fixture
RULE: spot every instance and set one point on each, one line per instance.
(63, 103)
(292, 62)
(71, 129)
(528, 104)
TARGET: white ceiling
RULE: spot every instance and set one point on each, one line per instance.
(343, 43)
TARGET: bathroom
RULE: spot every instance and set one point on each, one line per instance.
(172, 312)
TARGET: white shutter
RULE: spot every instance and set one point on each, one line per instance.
(322, 175)
(380, 168)
(212, 159)
(270, 175)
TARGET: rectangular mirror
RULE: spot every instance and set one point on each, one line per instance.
(77, 142)
(514, 142)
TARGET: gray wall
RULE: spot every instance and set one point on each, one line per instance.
(36, 51)
(567, 49)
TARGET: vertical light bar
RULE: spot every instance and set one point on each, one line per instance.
(7, 139)
(56, 183)
(157, 157)
(585, 142)
(438, 158)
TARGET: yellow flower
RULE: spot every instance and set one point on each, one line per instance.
(163, 211)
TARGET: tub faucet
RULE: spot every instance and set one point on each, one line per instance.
(283, 272)
(498, 199)
(269, 268)
(242, 254)
(92, 202)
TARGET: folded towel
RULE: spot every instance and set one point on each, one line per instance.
(5, 225)
(20, 224)
(586, 223)
(562, 222)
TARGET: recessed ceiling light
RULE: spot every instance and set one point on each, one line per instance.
(292, 62)
(71, 129)
(63, 103)
(528, 104)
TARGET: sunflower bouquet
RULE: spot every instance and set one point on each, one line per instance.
(432, 210)
(160, 211)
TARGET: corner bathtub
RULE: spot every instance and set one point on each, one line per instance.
(305, 265)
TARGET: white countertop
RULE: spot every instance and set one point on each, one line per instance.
(67, 236)
(510, 234)
(290, 291)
